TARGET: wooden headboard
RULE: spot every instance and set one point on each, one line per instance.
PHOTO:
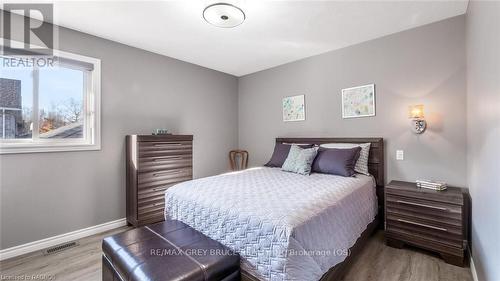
(376, 161)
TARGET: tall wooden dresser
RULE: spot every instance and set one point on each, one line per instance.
(154, 163)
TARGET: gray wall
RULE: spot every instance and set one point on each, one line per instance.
(46, 194)
(483, 116)
(423, 65)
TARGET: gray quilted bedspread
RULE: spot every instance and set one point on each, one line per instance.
(285, 226)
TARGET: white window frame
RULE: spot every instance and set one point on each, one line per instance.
(92, 120)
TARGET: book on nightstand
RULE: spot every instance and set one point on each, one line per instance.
(431, 185)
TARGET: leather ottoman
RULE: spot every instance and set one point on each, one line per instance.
(169, 250)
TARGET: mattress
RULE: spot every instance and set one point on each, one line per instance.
(285, 226)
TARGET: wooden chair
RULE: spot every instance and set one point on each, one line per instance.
(238, 159)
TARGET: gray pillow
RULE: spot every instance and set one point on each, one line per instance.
(280, 153)
(299, 160)
(362, 163)
(336, 161)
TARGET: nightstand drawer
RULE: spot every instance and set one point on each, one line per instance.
(422, 207)
(430, 226)
(425, 218)
(429, 244)
(443, 234)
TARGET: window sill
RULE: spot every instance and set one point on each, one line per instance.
(39, 148)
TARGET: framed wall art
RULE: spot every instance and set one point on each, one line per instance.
(358, 101)
(294, 108)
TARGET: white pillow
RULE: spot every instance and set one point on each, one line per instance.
(362, 163)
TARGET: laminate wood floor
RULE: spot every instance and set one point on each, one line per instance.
(377, 262)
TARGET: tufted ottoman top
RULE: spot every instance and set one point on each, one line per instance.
(169, 250)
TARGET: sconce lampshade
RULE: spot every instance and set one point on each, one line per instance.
(416, 112)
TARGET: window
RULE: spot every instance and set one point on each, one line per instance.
(49, 103)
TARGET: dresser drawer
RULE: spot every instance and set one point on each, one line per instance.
(161, 178)
(164, 162)
(151, 209)
(151, 217)
(154, 197)
(151, 149)
(152, 191)
(148, 206)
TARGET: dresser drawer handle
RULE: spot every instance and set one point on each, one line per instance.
(167, 158)
(421, 205)
(166, 144)
(167, 173)
(423, 225)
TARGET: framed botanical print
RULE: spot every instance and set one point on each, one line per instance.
(294, 108)
(358, 101)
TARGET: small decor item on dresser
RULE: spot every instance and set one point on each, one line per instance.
(431, 185)
(160, 132)
(238, 159)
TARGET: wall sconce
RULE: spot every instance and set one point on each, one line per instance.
(416, 114)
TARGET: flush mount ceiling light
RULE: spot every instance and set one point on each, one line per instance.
(223, 15)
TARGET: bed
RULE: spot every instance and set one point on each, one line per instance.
(285, 226)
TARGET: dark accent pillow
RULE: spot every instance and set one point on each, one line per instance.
(281, 153)
(336, 161)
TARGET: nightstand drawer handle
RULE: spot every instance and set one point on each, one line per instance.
(422, 205)
(423, 225)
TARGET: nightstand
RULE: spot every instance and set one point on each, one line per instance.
(432, 220)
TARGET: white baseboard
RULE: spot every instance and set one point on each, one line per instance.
(59, 239)
(473, 269)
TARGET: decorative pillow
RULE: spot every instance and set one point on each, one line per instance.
(280, 153)
(362, 163)
(336, 161)
(299, 160)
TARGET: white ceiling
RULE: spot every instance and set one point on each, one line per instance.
(274, 33)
